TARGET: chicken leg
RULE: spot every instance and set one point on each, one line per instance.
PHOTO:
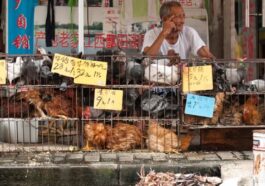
(88, 147)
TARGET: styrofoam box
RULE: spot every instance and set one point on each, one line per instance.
(16, 130)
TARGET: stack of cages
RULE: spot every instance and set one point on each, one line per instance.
(108, 101)
(223, 101)
(138, 108)
(38, 108)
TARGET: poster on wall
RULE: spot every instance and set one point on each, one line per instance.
(20, 26)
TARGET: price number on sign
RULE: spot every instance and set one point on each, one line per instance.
(108, 99)
(197, 78)
(200, 105)
(64, 65)
(90, 72)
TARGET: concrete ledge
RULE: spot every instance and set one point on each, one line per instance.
(60, 176)
(104, 168)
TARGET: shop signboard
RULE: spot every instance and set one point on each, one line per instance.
(20, 26)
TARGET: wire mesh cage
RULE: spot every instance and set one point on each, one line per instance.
(238, 90)
(140, 106)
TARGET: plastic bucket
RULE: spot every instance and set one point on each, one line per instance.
(259, 157)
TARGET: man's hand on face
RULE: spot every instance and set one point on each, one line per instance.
(168, 26)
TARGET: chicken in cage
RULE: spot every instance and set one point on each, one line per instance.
(242, 104)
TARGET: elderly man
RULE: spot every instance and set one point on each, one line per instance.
(174, 35)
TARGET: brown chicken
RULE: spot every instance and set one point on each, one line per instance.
(232, 114)
(165, 140)
(95, 135)
(33, 97)
(52, 103)
(252, 115)
(10, 108)
(218, 111)
(123, 137)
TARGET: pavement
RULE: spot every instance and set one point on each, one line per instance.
(120, 168)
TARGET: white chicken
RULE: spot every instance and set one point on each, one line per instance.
(256, 85)
(14, 69)
(162, 74)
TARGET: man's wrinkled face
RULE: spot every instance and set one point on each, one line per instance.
(178, 18)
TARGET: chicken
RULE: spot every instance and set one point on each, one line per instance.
(95, 135)
(161, 103)
(162, 74)
(11, 108)
(134, 72)
(33, 97)
(53, 103)
(256, 85)
(130, 97)
(165, 140)
(29, 72)
(233, 113)
(220, 81)
(14, 69)
(235, 74)
(116, 65)
(252, 115)
(123, 137)
(218, 111)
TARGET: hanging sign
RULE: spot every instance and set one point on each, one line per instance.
(3, 72)
(108, 99)
(20, 26)
(90, 72)
(200, 105)
(64, 65)
(197, 78)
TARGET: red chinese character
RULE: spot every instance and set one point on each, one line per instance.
(120, 2)
(111, 41)
(17, 41)
(99, 41)
(22, 21)
(25, 42)
(134, 41)
(64, 39)
(74, 40)
(122, 41)
(17, 4)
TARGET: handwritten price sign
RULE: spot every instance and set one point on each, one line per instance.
(64, 65)
(200, 105)
(3, 72)
(197, 78)
(108, 99)
(91, 72)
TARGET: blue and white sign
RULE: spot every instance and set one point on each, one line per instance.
(200, 105)
(20, 26)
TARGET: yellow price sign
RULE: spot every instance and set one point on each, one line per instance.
(64, 65)
(90, 72)
(3, 72)
(108, 99)
(197, 78)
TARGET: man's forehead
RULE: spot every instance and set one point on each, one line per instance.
(176, 10)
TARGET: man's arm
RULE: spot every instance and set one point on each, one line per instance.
(153, 50)
(204, 52)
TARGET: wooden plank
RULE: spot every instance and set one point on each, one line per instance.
(226, 139)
